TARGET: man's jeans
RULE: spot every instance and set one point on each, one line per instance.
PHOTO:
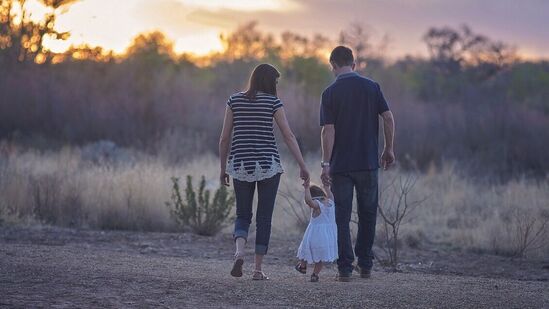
(266, 192)
(343, 185)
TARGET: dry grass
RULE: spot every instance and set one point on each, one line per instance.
(128, 190)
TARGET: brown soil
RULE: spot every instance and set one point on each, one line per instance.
(54, 267)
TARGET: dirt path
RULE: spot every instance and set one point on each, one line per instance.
(70, 270)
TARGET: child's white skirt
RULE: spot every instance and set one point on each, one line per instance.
(319, 242)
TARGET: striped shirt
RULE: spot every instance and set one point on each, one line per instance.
(254, 152)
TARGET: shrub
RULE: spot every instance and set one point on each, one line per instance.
(393, 208)
(525, 231)
(202, 216)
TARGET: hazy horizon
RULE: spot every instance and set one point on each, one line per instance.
(195, 26)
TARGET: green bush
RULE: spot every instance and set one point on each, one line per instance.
(197, 212)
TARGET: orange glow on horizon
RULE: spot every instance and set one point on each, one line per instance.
(195, 25)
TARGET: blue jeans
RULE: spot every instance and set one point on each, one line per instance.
(366, 185)
(266, 193)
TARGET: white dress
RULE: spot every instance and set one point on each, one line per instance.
(320, 239)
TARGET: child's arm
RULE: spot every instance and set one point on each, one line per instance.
(309, 199)
(328, 190)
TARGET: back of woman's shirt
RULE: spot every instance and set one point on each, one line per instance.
(254, 152)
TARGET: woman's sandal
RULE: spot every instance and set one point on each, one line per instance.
(300, 268)
(314, 277)
(259, 275)
(237, 267)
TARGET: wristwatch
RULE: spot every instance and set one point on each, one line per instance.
(324, 164)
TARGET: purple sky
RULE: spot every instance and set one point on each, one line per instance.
(522, 23)
(194, 25)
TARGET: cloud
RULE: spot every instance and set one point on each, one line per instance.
(523, 23)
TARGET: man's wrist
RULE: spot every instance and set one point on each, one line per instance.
(324, 164)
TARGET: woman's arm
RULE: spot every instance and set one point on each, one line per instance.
(290, 140)
(224, 143)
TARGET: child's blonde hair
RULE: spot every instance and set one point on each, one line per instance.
(317, 191)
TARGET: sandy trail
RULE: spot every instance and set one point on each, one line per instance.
(109, 272)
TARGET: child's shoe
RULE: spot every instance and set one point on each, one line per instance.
(300, 267)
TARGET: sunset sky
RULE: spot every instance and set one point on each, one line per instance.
(195, 25)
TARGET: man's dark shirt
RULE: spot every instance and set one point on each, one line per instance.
(353, 103)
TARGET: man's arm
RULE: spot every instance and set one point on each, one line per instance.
(388, 155)
(327, 141)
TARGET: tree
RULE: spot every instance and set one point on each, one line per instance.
(22, 39)
(358, 38)
(85, 52)
(295, 45)
(151, 45)
(248, 43)
(452, 50)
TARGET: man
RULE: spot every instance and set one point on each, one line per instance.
(349, 116)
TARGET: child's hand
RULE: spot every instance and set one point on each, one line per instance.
(306, 184)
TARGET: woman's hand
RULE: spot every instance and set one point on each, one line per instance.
(224, 178)
(304, 175)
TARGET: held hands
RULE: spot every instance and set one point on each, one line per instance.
(325, 176)
(304, 175)
(387, 158)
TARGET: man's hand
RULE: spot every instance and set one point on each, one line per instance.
(325, 176)
(387, 158)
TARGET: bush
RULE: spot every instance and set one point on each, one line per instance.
(197, 212)
(525, 231)
(393, 208)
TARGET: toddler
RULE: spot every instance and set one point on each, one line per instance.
(319, 242)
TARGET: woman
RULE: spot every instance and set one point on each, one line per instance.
(254, 159)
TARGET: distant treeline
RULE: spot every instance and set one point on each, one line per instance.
(472, 100)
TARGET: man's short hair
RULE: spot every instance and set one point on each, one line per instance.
(342, 56)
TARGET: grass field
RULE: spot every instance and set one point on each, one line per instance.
(125, 189)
